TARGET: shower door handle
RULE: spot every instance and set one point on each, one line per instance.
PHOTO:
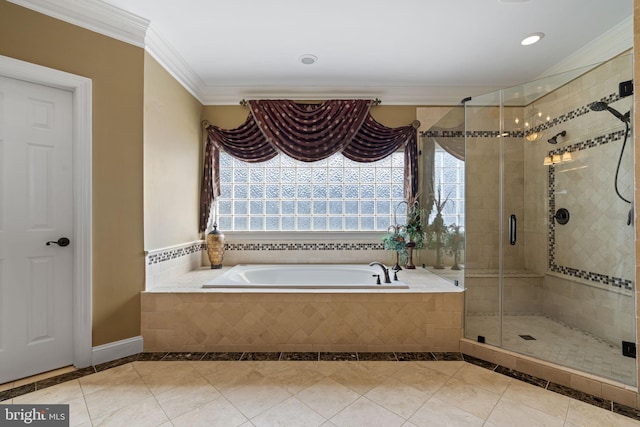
(512, 229)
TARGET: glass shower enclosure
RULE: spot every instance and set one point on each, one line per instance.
(549, 261)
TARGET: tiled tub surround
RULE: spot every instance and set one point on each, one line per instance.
(311, 251)
(180, 316)
(163, 264)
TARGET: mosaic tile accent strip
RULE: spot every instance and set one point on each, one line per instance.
(617, 282)
(285, 246)
(171, 254)
(563, 118)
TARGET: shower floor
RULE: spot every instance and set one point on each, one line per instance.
(555, 342)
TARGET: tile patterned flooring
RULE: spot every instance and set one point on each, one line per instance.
(313, 389)
(555, 342)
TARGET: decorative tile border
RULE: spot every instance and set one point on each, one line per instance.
(563, 118)
(617, 282)
(390, 357)
(174, 253)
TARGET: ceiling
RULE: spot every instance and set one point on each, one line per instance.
(421, 52)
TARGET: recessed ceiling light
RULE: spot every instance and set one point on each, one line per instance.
(532, 38)
(308, 59)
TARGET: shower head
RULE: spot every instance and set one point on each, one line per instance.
(554, 139)
(599, 106)
(602, 106)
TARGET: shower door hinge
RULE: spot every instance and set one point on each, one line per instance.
(629, 349)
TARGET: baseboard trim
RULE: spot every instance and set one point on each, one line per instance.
(116, 350)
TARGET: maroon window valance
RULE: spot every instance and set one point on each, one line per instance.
(306, 132)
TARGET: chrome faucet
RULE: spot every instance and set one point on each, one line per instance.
(385, 270)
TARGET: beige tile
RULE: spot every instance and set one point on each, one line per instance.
(481, 377)
(233, 377)
(166, 379)
(143, 413)
(254, 399)
(182, 399)
(327, 397)
(59, 393)
(436, 413)
(476, 400)
(7, 386)
(78, 413)
(538, 398)
(357, 377)
(364, 412)
(421, 377)
(619, 395)
(398, 397)
(583, 414)
(448, 368)
(111, 397)
(293, 376)
(508, 413)
(219, 413)
(114, 376)
(291, 412)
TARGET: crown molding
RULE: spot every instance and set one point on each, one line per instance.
(119, 24)
(93, 15)
(163, 52)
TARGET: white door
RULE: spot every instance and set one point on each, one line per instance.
(36, 207)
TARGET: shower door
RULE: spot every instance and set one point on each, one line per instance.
(550, 249)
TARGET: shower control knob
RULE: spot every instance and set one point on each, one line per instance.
(562, 216)
(63, 241)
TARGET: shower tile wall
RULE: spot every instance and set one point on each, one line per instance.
(591, 242)
(590, 258)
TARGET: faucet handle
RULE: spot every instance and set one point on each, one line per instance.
(378, 280)
(395, 275)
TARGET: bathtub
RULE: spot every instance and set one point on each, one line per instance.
(304, 276)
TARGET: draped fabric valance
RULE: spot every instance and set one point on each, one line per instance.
(306, 132)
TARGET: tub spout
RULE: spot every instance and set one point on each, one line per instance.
(385, 270)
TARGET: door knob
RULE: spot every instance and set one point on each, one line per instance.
(63, 241)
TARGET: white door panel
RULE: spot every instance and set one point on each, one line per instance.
(36, 200)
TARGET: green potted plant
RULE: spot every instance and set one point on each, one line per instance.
(396, 242)
(414, 229)
(454, 243)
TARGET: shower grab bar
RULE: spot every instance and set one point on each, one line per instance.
(512, 229)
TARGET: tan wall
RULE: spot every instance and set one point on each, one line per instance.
(116, 70)
(172, 155)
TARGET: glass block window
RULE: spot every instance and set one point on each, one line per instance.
(335, 194)
(449, 177)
